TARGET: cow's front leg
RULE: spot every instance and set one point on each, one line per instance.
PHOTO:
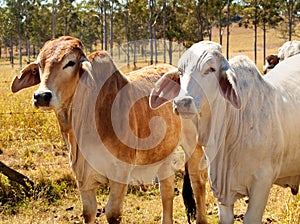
(258, 198)
(225, 214)
(167, 195)
(198, 180)
(113, 209)
(89, 204)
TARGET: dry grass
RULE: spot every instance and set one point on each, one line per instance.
(31, 143)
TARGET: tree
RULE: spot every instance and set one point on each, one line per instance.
(228, 22)
(261, 13)
(251, 19)
(269, 17)
(291, 10)
(151, 7)
(111, 33)
(220, 4)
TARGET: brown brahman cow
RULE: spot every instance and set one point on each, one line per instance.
(112, 134)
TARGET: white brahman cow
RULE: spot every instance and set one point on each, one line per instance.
(249, 124)
(288, 49)
(112, 134)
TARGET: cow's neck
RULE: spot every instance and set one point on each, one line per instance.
(64, 117)
(218, 124)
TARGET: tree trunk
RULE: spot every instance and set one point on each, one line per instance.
(11, 52)
(170, 52)
(127, 33)
(290, 7)
(28, 51)
(34, 52)
(220, 27)
(210, 32)
(104, 25)
(111, 28)
(20, 49)
(53, 18)
(17, 177)
(150, 31)
(255, 31)
(264, 40)
(200, 22)
(228, 31)
(134, 55)
(155, 46)
(164, 28)
(20, 36)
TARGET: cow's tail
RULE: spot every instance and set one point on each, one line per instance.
(188, 197)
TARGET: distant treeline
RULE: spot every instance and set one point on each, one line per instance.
(27, 24)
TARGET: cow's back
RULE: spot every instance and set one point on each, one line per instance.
(285, 78)
(126, 124)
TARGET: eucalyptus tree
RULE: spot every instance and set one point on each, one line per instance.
(67, 20)
(251, 19)
(41, 28)
(261, 13)
(4, 28)
(32, 25)
(89, 29)
(132, 23)
(291, 13)
(111, 32)
(17, 12)
(221, 17)
(151, 7)
(269, 17)
(228, 22)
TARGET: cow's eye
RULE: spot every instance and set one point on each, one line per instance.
(209, 70)
(69, 64)
(180, 70)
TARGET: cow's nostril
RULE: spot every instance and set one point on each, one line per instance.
(47, 96)
(175, 110)
(42, 99)
(187, 102)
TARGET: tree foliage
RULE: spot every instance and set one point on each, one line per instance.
(177, 20)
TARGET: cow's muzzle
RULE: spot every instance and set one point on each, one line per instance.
(185, 107)
(42, 99)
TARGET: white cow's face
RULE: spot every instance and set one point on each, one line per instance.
(204, 74)
(198, 82)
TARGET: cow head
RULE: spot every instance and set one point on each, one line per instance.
(58, 68)
(271, 61)
(204, 73)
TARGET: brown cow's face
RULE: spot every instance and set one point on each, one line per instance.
(60, 64)
(59, 79)
(271, 62)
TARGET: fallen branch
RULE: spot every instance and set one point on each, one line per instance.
(17, 177)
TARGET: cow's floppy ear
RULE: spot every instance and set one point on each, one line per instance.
(29, 77)
(86, 72)
(228, 84)
(167, 88)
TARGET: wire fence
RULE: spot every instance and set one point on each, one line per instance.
(149, 51)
